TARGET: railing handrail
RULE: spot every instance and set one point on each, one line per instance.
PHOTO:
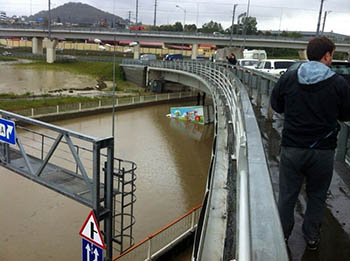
(225, 86)
(149, 237)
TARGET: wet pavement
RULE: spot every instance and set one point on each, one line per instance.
(335, 234)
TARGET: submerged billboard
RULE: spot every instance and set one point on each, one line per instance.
(189, 113)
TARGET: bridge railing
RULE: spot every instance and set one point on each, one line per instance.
(161, 241)
(194, 34)
(258, 230)
(101, 103)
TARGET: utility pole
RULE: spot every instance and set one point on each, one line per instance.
(49, 22)
(233, 21)
(155, 14)
(246, 24)
(319, 19)
(324, 19)
(137, 10)
(129, 17)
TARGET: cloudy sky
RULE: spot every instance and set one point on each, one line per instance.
(292, 15)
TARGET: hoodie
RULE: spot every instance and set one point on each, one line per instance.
(314, 72)
(312, 98)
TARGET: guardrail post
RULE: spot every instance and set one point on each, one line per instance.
(168, 95)
(100, 103)
(79, 106)
(149, 252)
(58, 109)
(32, 112)
(192, 220)
(156, 97)
(133, 100)
(258, 95)
(342, 142)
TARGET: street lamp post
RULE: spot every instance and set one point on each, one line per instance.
(324, 20)
(246, 24)
(233, 21)
(183, 31)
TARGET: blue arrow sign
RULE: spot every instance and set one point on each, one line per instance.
(91, 252)
(7, 131)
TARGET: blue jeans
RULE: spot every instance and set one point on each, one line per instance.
(316, 167)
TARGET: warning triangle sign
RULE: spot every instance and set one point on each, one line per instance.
(91, 231)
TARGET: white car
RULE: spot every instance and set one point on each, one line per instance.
(274, 66)
(248, 63)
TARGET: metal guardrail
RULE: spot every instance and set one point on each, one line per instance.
(258, 230)
(161, 241)
(99, 104)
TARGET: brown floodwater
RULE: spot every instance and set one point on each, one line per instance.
(22, 80)
(172, 158)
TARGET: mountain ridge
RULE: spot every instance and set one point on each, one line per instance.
(78, 13)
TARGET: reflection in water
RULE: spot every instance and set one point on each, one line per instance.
(38, 224)
(22, 80)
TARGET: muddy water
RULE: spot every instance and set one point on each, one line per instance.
(172, 159)
(23, 80)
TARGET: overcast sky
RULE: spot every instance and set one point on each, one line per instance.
(291, 15)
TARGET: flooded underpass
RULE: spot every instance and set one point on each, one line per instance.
(335, 232)
(172, 158)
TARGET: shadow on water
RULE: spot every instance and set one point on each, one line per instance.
(335, 234)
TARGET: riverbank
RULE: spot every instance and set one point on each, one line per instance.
(102, 72)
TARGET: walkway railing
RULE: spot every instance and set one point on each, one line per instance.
(99, 104)
(256, 225)
(161, 241)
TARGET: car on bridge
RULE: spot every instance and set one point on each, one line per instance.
(248, 63)
(274, 66)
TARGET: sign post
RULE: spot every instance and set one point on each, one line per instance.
(92, 241)
(7, 131)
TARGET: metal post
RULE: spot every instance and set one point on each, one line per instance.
(342, 142)
(108, 221)
(155, 14)
(324, 20)
(246, 24)
(233, 22)
(149, 252)
(49, 22)
(319, 19)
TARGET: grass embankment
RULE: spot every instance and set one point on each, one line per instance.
(14, 104)
(6, 59)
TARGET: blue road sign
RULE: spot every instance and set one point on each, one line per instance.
(7, 131)
(91, 252)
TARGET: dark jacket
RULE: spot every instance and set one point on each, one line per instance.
(232, 60)
(312, 99)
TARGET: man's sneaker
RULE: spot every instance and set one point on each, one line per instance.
(312, 244)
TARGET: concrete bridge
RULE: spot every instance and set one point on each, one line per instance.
(176, 38)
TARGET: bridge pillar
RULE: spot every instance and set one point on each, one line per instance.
(194, 51)
(50, 50)
(137, 52)
(302, 54)
(37, 46)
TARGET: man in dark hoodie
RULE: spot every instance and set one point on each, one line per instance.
(312, 99)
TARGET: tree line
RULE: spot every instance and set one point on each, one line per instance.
(215, 27)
